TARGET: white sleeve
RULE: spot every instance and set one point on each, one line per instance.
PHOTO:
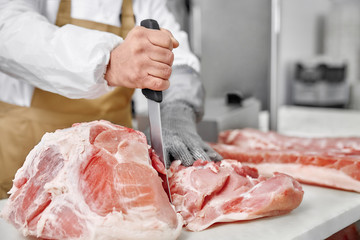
(69, 60)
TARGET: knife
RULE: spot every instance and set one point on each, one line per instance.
(154, 100)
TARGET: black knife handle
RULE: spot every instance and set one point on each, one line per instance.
(150, 23)
(151, 94)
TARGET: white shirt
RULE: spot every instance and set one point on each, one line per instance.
(69, 60)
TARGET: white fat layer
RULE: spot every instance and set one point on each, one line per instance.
(231, 217)
(311, 174)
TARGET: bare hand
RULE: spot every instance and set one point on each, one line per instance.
(143, 60)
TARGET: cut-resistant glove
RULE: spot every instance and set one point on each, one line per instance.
(181, 140)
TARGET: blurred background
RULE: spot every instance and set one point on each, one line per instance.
(232, 40)
(319, 43)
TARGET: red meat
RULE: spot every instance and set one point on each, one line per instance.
(90, 181)
(331, 162)
(227, 191)
(98, 180)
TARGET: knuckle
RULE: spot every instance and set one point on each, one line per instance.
(138, 31)
(168, 34)
(133, 33)
(166, 85)
(138, 50)
(156, 84)
(143, 81)
(167, 72)
(169, 42)
(165, 30)
(137, 74)
(139, 40)
(170, 57)
(133, 76)
(159, 84)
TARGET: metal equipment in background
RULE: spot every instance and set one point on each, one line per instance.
(274, 64)
(321, 82)
(233, 112)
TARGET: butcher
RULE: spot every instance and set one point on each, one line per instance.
(68, 61)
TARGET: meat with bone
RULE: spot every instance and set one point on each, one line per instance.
(227, 191)
(331, 162)
(91, 181)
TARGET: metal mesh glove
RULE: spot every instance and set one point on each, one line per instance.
(180, 137)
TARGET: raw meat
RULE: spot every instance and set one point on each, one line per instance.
(349, 233)
(227, 191)
(91, 181)
(332, 162)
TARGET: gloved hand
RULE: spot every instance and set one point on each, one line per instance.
(181, 140)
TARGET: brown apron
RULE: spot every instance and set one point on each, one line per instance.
(21, 128)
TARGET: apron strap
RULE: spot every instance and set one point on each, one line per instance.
(64, 13)
(127, 19)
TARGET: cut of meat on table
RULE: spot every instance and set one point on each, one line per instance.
(98, 180)
(226, 191)
(349, 233)
(91, 181)
(331, 162)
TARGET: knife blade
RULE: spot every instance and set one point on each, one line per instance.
(154, 99)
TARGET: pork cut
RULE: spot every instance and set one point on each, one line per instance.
(227, 191)
(98, 180)
(331, 162)
(91, 181)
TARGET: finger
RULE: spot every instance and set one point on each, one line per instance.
(212, 154)
(194, 145)
(160, 39)
(155, 83)
(159, 70)
(197, 151)
(174, 41)
(162, 55)
(201, 150)
(180, 152)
